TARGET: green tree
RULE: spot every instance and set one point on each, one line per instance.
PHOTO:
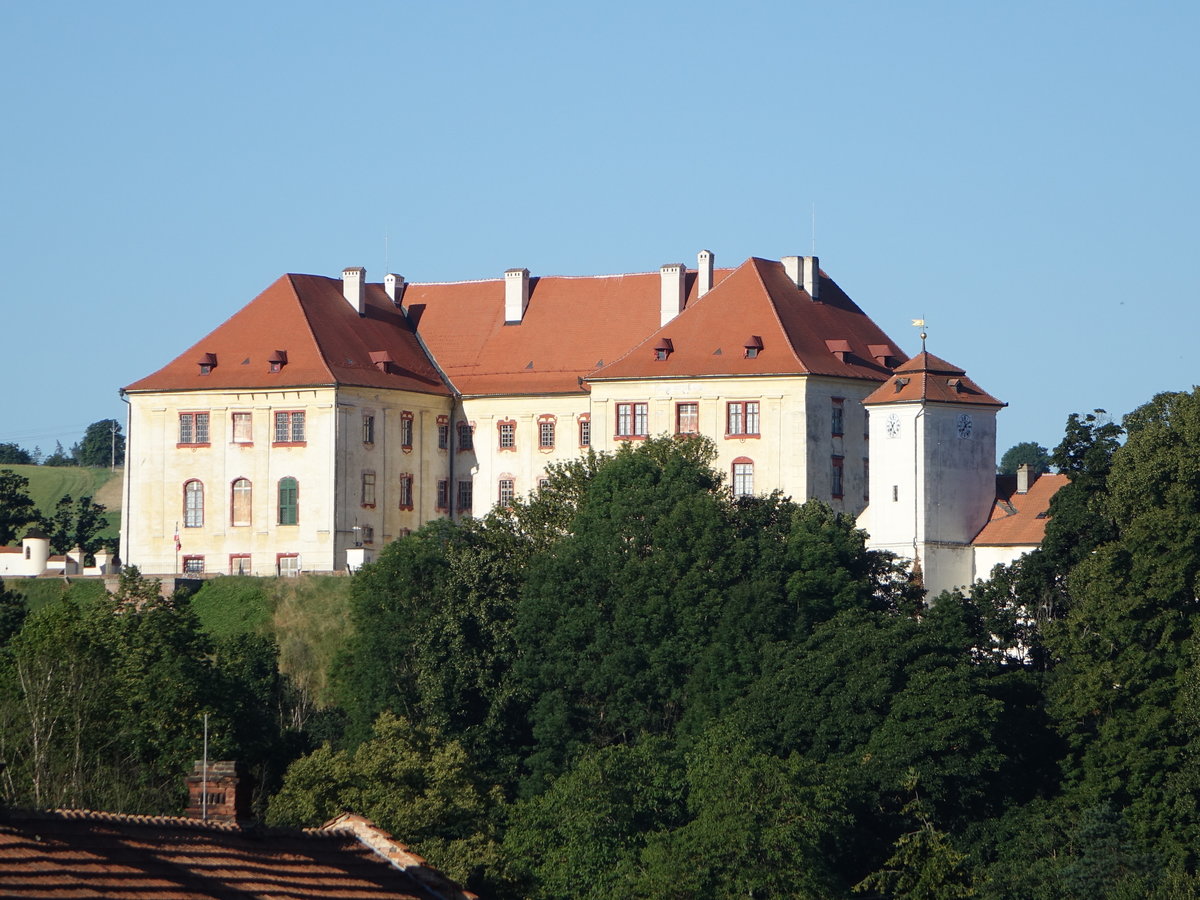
(76, 523)
(411, 782)
(1025, 453)
(16, 509)
(59, 457)
(100, 442)
(13, 454)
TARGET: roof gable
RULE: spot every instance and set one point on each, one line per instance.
(1019, 519)
(325, 340)
(759, 307)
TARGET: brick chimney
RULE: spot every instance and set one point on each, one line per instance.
(223, 796)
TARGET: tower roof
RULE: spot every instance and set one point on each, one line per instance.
(928, 379)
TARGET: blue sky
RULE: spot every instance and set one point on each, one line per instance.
(1023, 175)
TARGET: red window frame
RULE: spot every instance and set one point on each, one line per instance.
(837, 416)
(233, 522)
(837, 482)
(443, 494)
(585, 430)
(291, 431)
(506, 490)
(187, 523)
(193, 429)
(634, 417)
(406, 430)
(248, 418)
(693, 408)
(506, 430)
(466, 495)
(735, 476)
(741, 416)
(466, 436)
(279, 557)
(443, 427)
(547, 425)
(367, 497)
(190, 560)
(405, 484)
(233, 568)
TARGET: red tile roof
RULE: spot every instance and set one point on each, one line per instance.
(325, 340)
(1019, 520)
(78, 854)
(759, 301)
(571, 328)
(927, 378)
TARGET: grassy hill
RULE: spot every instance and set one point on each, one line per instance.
(49, 484)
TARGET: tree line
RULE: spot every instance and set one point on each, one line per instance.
(633, 684)
(102, 445)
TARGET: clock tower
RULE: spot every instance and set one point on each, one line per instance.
(933, 468)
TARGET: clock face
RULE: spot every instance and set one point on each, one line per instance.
(893, 425)
(963, 424)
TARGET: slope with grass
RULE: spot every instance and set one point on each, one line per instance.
(49, 484)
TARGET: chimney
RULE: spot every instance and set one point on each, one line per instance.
(791, 265)
(394, 285)
(354, 288)
(812, 275)
(221, 797)
(674, 291)
(704, 272)
(516, 295)
(1025, 477)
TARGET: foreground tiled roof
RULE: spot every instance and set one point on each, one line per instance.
(571, 327)
(758, 303)
(324, 338)
(79, 854)
(1019, 520)
(927, 378)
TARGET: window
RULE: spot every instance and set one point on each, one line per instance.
(368, 489)
(242, 428)
(743, 477)
(193, 505)
(368, 429)
(837, 417)
(837, 482)
(866, 479)
(406, 430)
(193, 428)
(546, 434)
(507, 491)
(687, 418)
(742, 418)
(508, 434)
(240, 505)
(289, 501)
(542, 482)
(193, 565)
(464, 496)
(632, 420)
(239, 564)
(585, 431)
(367, 534)
(443, 494)
(405, 485)
(289, 428)
(287, 564)
(465, 441)
(443, 425)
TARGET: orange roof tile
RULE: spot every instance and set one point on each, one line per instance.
(76, 853)
(1019, 520)
(325, 340)
(929, 379)
(571, 327)
(759, 301)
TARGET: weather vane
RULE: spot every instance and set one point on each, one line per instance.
(920, 323)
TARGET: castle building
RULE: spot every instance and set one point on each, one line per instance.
(328, 416)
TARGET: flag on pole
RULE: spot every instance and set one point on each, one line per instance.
(178, 543)
(918, 323)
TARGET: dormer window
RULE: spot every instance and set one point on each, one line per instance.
(883, 355)
(276, 361)
(663, 349)
(753, 346)
(207, 363)
(900, 383)
(382, 360)
(840, 349)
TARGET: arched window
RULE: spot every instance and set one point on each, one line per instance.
(193, 504)
(240, 504)
(743, 477)
(289, 501)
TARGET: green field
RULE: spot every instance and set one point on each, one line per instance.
(49, 484)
